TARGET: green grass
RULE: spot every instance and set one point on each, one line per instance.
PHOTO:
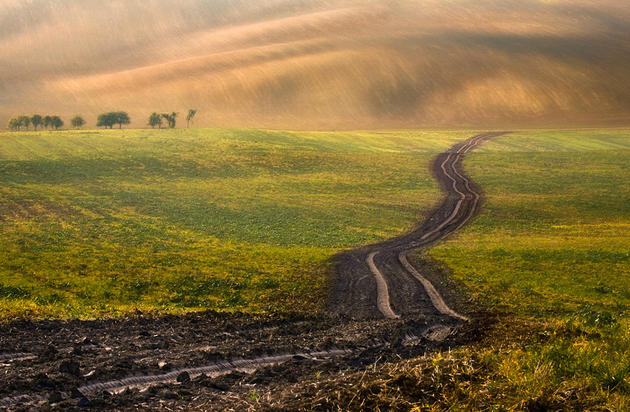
(101, 223)
(551, 249)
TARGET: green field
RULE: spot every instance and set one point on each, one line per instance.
(550, 252)
(101, 223)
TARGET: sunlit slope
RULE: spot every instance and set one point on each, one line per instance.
(102, 222)
(320, 64)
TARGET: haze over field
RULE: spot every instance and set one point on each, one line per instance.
(321, 64)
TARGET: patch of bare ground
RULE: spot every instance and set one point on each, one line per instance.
(466, 378)
(31, 209)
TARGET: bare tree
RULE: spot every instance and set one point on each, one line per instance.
(189, 117)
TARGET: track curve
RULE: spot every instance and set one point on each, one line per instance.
(378, 280)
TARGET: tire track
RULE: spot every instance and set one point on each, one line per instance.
(382, 291)
(383, 300)
(434, 295)
(399, 288)
(213, 369)
(12, 357)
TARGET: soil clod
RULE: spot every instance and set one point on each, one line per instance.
(183, 377)
(70, 367)
(83, 402)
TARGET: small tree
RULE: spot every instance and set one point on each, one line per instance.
(77, 122)
(14, 124)
(105, 120)
(56, 122)
(170, 118)
(121, 118)
(24, 121)
(111, 118)
(155, 120)
(189, 117)
(47, 122)
(36, 121)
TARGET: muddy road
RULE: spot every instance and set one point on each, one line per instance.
(378, 280)
(385, 304)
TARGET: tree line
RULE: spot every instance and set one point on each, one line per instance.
(107, 120)
(155, 119)
(36, 120)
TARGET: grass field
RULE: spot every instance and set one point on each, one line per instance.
(548, 260)
(551, 252)
(101, 223)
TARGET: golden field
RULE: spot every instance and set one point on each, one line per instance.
(316, 64)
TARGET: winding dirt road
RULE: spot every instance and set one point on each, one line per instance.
(379, 281)
(381, 306)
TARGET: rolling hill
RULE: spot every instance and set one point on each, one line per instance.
(316, 64)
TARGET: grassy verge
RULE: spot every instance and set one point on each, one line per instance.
(550, 252)
(100, 223)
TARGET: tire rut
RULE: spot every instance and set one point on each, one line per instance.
(399, 290)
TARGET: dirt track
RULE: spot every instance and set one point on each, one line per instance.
(382, 307)
(362, 290)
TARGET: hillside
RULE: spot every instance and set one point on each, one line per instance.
(100, 223)
(321, 64)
